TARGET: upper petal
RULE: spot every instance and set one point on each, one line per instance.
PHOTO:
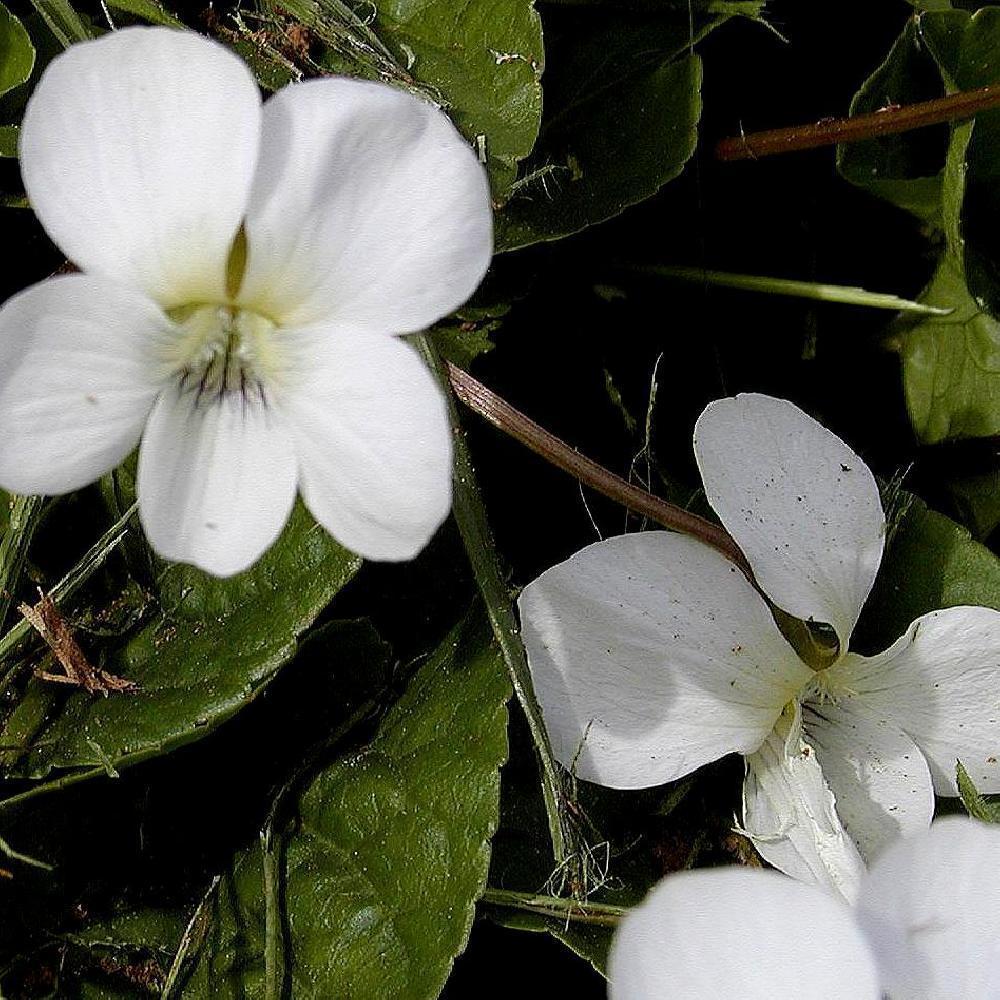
(78, 375)
(137, 153)
(368, 208)
(940, 683)
(216, 479)
(878, 776)
(929, 907)
(371, 434)
(790, 813)
(803, 507)
(739, 932)
(651, 655)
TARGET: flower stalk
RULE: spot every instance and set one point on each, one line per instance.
(570, 910)
(890, 120)
(470, 515)
(522, 428)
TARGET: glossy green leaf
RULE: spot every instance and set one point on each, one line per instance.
(951, 364)
(613, 86)
(209, 651)
(381, 870)
(129, 945)
(952, 367)
(17, 54)
(622, 105)
(481, 60)
(493, 92)
(149, 10)
(931, 562)
(905, 169)
(585, 178)
(63, 21)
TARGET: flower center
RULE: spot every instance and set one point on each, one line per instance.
(223, 349)
(826, 686)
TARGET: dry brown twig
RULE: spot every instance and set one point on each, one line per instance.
(45, 618)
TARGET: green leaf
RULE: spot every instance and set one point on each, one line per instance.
(210, 650)
(482, 60)
(612, 86)
(63, 21)
(17, 54)
(976, 805)
(951, 364)
(380, 873)
(931, 562)
(8, 140)
(465, 336)
(486, 59)
(905, 169)
(622, 105)
(272, 70)
(149, 10)
(977, 497)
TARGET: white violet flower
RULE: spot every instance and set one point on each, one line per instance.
(923, 928)
(246, 272)
(651, 654)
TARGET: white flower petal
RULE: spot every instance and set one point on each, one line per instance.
(371, 434)
(651, 655)
(77, 379)
(929, 907)
(940, 683)
(875, 771)
(216, 479)
(790, 813)
(802, 506)
(368, 209)
(738, 932)
(137, 153)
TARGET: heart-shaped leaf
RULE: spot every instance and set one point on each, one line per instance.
(378, 878)
(210, 649)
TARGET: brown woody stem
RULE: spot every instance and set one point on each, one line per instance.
(886, 121)
(511, 421)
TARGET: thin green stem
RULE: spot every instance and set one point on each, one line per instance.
(63, 21)
(470, 515)
(569, 910)
(272, 914)
(191, 941)
(26, 859)
(25, 516)
(47, 787)
(817, 291)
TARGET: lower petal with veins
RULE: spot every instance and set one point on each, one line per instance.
(790, 813)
